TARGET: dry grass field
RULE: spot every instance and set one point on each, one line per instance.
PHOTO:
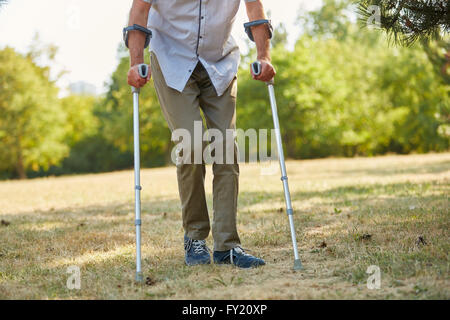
(390, 211)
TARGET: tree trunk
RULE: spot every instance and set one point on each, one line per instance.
(19, 165)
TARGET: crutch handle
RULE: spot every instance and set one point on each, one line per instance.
(143, 73)
(257, 69)
(143, 70)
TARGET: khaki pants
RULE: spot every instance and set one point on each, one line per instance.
(180, 110)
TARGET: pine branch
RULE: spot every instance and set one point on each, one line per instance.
(407, 21)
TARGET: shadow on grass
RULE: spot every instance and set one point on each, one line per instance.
(435, 167)
(99, 217)
(104, 223)
(341, 194)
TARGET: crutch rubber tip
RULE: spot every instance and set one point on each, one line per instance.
(139, 277)
(298, 265)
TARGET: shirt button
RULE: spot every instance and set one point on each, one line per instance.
(203, 17)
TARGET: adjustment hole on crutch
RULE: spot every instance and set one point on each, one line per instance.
(138, 188)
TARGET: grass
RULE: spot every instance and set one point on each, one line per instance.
(390, 211)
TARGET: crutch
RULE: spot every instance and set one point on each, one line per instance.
(143, 72)
(256, 69)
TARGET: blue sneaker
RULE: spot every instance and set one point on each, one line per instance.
(196, 252)
(238, 257)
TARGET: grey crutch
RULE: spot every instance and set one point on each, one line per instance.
(256, 69)
(143, 72)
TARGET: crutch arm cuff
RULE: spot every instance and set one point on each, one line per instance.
(248, 27)
(147, 32)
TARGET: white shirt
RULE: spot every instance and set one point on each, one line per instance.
(188, 31)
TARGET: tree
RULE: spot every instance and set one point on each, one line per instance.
(350, 95)
(329, 20)
(407, 21)
(31, 120)
(280, 35)
(438, 53)
(90, 151)
(80, 119)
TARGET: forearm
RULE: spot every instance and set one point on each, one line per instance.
(136, 40)
(255, 11)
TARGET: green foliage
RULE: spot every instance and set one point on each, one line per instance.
(329, 20)
(280, 35)
(356, 96)
(94, 154)
(90, 151)
(346, 92)
(31, 136)
(438, 53)
(80, 119)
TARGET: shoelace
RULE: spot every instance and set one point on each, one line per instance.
(240, 251)
(199, 246)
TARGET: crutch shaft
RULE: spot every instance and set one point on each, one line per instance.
(137, 183)
(143, 70)
(284, 178)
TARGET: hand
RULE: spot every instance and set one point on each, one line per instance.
(135, 80)
(267, 71)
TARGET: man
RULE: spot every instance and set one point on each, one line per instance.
(194, 62)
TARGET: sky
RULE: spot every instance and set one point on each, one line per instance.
(88, 32)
